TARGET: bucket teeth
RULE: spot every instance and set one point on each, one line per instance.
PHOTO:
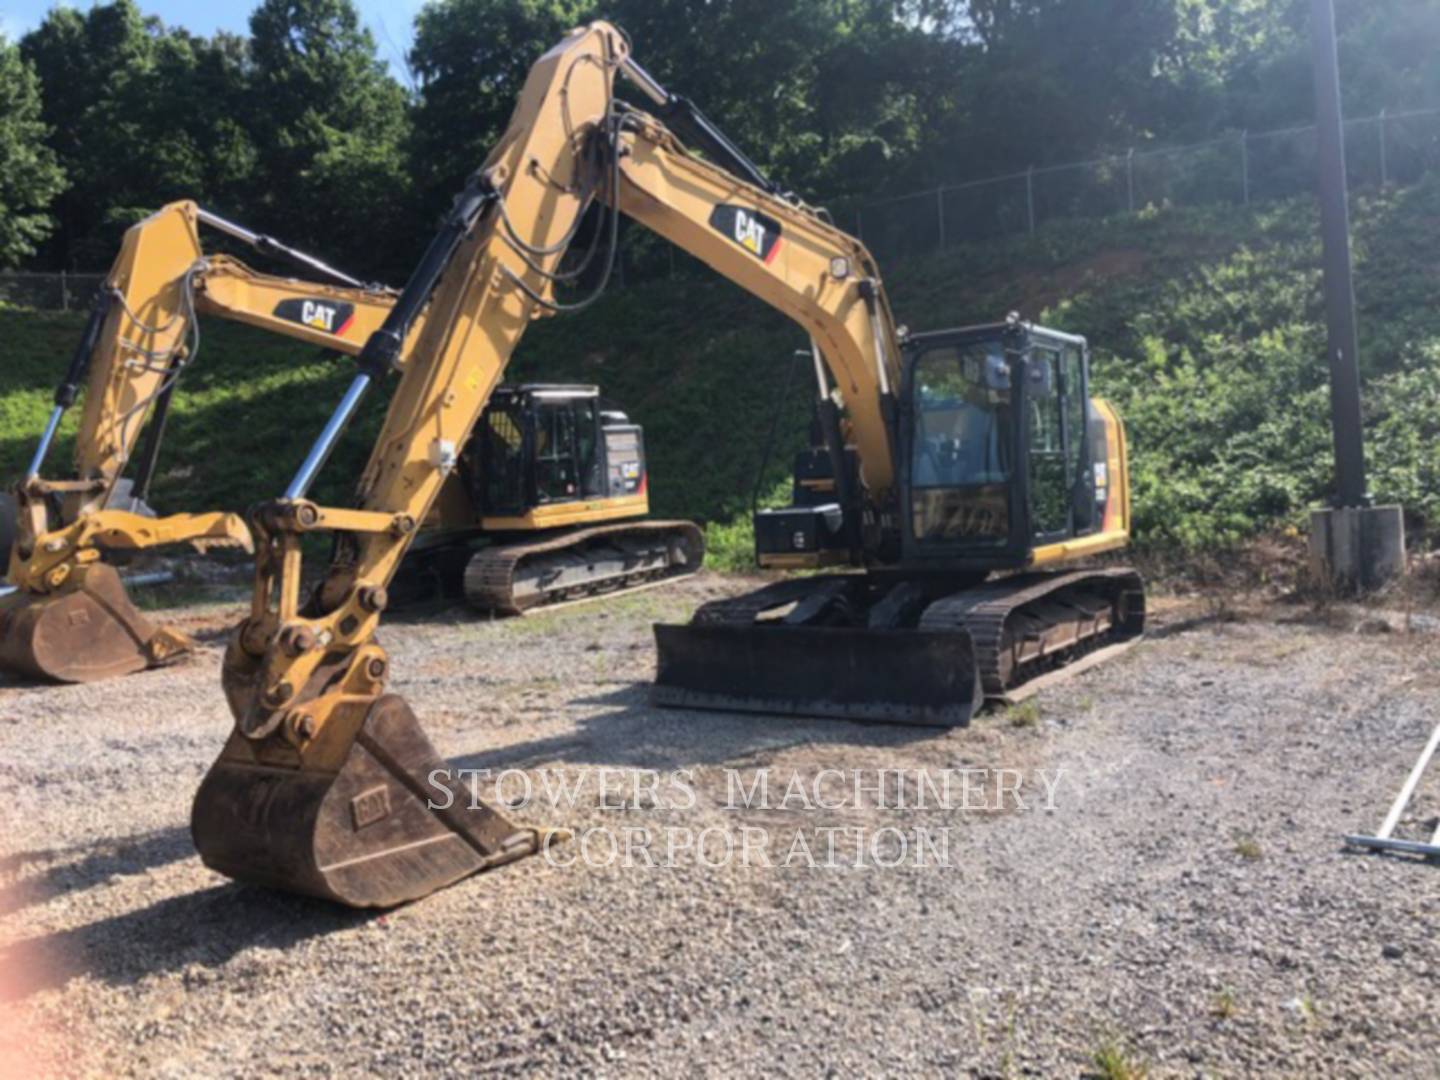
(393, 824)
(89, 630)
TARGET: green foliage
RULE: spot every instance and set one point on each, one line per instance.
(330, 127)
(239, 425)
(29, 174)
(297, 130)
(471, 58)
(1206, 328)
(730, 545)
(139, 115)
(300, 130)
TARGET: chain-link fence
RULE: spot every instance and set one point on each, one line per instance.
(1391, 148)
(49, 292)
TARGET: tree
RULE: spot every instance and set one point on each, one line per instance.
(85, 63)
(832, 95)
(330, 127)
(139, 115)
(29, 174)
(470, 58)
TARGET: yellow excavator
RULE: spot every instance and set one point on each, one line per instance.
(547, 504)
(67, 616)
(947, 458)
(554, 484)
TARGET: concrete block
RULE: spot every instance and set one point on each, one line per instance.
(1358, 548)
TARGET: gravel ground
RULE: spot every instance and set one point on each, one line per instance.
(1181, 901)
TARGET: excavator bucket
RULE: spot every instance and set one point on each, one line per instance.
(923, 677)
(85, 631)
(391, 825)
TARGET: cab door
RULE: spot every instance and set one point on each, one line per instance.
(1060, 479)
(557, 472)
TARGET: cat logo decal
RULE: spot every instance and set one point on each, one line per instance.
(757, 233)
(328, 316)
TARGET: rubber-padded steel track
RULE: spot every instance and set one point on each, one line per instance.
(514, 578)
(1025, 625)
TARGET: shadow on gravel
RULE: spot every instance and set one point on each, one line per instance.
(97, 863)
(206, 928)
(641, 735)
(219, 636)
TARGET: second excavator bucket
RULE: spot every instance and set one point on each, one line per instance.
(86, 630)
(391, 825)
(923, 677)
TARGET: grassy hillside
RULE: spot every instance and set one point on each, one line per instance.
(1207, 328)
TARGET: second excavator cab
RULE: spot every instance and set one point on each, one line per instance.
(549, 506)
(543, 452)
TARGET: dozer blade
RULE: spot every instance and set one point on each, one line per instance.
(920, 677)
(392, 825)
(87, 631)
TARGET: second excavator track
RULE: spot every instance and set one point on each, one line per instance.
(511, 579)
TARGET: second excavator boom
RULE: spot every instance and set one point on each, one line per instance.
(67, 617)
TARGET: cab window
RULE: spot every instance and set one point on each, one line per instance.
(960, 449)
(556, 476)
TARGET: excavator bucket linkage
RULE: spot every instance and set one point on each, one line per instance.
(335, 790)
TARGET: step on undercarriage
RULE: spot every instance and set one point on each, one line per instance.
(875, 647)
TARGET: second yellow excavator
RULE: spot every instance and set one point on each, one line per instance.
(948, 458)
(67, 616)
(547, 503)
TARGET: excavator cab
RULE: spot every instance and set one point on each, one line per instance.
(1004, 464)
(1007, 455)
(547, 448)
(548, 506)
(1002, 456)
(557, 483)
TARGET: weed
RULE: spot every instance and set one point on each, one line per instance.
(1114, 1062)
(1247, 847)
(1223, 1006)
(1304, 1008)
(1024, 715)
